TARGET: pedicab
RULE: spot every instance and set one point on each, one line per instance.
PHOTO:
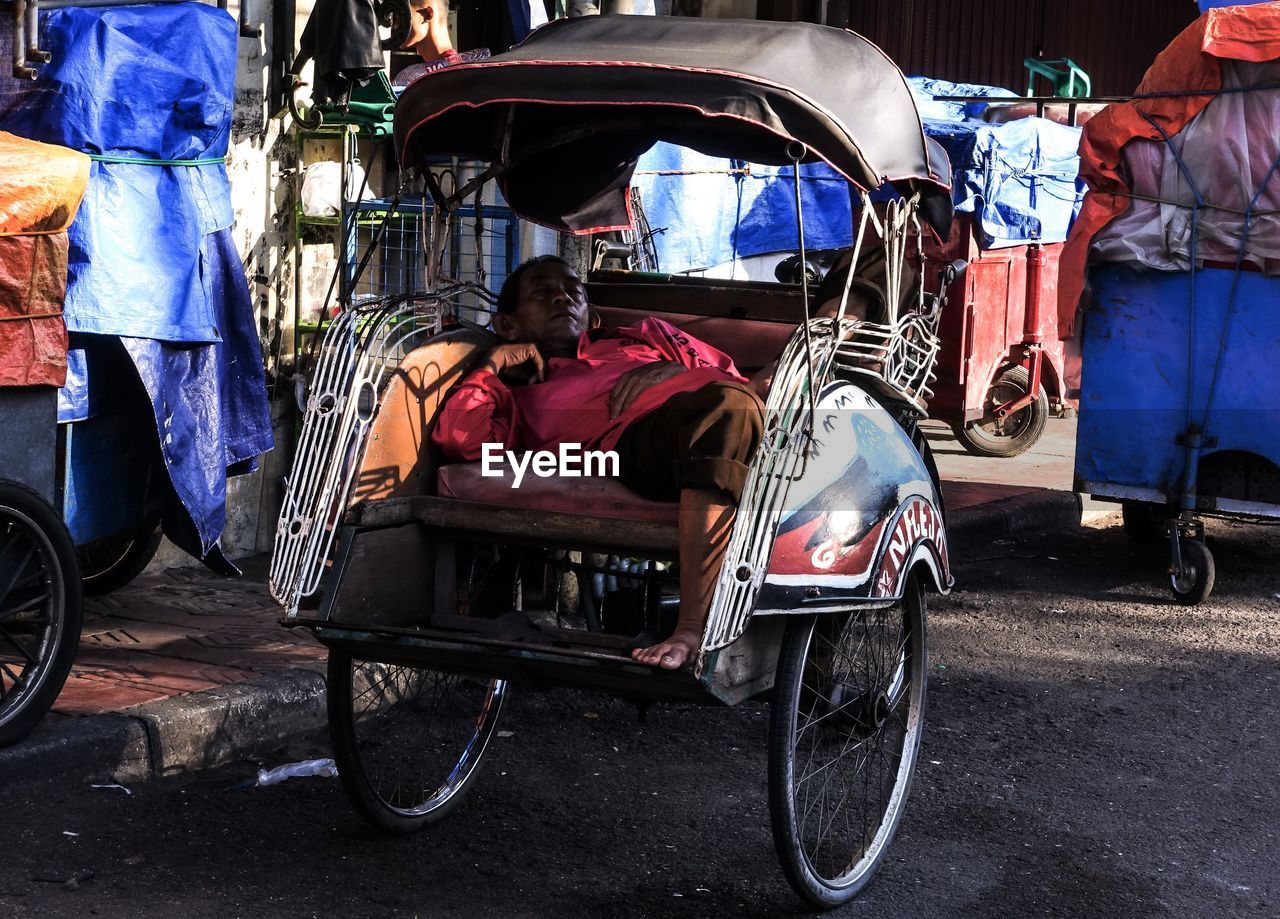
(437, 589)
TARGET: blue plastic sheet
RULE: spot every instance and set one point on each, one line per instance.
(1021, 179)
(140, 82)
(708, 210)
(151, 259)
(925, 89)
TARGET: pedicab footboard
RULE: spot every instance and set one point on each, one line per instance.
(408, 619)
(577, 661)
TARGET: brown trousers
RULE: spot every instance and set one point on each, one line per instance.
(700, 439)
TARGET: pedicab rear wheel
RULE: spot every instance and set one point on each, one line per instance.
(844, 732)
(40, 609)
(407, 741)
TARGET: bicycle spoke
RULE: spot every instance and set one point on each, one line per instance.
(18, 646)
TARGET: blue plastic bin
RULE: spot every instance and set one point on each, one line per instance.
(1139, 392)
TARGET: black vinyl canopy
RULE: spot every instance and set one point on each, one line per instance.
(566, 113)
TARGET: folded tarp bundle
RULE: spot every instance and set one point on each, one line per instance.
(41, 186)
(1020, 178)
(147, 92)
(930, 94)
(1173, 173)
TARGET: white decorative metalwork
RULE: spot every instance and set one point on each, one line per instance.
(778, 462)
(359, 349)
(901, 356)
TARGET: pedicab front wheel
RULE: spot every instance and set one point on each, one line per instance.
(407, 741)
(844, 732)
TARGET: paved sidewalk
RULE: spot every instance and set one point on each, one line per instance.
(184, 670)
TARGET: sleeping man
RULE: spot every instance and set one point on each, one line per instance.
(682, 419)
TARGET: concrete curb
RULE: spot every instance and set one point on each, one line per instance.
(186, 734)
(1040, 512)
(173, 736)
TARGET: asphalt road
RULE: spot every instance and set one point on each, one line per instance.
(1092, 749)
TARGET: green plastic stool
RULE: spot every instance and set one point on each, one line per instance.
(1069, 81)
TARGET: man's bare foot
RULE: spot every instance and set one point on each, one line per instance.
(670, 654)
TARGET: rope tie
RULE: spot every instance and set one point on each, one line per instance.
(150, 161)
(31, 316)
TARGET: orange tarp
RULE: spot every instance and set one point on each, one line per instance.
(1188, 66)
(40, 190)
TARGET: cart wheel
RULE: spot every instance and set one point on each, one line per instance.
(847, 717)
(40, 611)
(1194, 582)
(406, 740)
(1015, 434)
(110, 564)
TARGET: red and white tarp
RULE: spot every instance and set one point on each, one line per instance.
(40, 190)
(1140, 205)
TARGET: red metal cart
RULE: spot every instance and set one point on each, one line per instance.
(1002, 370)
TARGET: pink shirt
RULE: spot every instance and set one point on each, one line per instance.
(571, 405)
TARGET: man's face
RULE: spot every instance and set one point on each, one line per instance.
(552, 311)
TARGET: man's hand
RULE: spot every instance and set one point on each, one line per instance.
(762, 379)
(517, 354)
(634, 382)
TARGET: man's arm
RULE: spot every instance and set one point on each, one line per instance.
(681, 352)
(480, 411)
(682, 348)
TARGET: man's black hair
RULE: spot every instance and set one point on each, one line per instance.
(509, 295)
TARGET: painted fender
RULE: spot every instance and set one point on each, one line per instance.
(862, 513)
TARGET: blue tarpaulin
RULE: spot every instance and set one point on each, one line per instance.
(151, 258)
(712, 210)
(926, 89)
(140, 83)
(1019, 178)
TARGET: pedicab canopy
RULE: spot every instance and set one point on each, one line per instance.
(565, 114)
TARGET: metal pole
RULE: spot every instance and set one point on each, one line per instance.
(20, 69)
(33, 35)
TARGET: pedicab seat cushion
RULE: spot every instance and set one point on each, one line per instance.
(594, 496)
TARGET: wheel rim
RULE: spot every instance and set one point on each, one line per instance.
(1185, 580)
(419, 733)
(32, 606)
(993, 428)
(98, 561)
(854, 740)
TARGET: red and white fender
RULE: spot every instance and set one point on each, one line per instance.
(861, 514)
